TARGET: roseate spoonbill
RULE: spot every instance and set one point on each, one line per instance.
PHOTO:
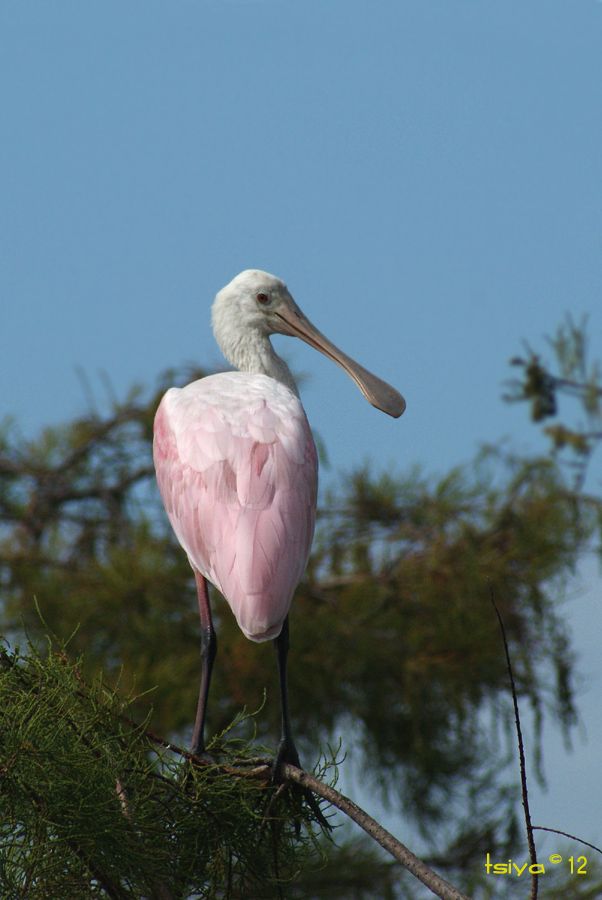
(237, 470)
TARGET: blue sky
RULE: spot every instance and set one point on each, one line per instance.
(425, 175)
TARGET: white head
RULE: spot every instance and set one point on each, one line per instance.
(256, 304)
(249, 303)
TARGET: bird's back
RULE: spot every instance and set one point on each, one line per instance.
(237, 470)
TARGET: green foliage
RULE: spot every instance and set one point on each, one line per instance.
(82, 530)
(576, 381)
(406, 567)
(354, 871)
(93, 805)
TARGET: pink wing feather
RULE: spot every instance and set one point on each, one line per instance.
(237, 470)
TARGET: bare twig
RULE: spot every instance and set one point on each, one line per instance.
(521, 754)
(567, 835)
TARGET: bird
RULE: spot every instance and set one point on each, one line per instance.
(237, 471)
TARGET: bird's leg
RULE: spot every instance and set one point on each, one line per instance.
(208, 652)
(287, 752)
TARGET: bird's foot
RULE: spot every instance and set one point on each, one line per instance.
(287, 755)
(199, 755)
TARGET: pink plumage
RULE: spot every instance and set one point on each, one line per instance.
(237, 470)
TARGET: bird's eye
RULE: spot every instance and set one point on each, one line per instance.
(263, 299)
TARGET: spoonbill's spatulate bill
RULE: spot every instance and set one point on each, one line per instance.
(237, 469)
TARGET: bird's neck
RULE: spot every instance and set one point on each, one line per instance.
(254, 353)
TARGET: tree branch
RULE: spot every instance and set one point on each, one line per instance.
(399, 851)
(262, 769)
